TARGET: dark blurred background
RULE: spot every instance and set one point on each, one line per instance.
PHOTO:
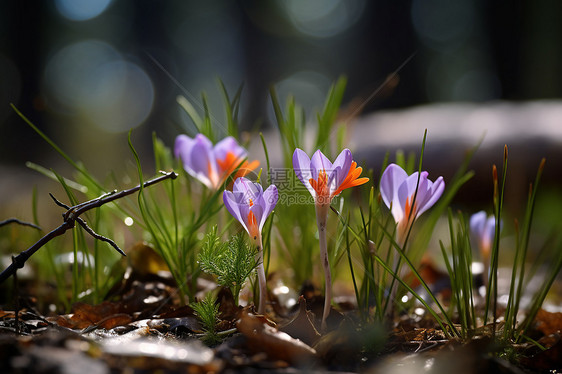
(87, 71)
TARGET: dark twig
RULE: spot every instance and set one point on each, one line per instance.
(16, 300)
(85, 226)
(23, 223)
(71, 216)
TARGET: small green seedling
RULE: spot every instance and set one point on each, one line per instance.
(207, 310)
(231, 262)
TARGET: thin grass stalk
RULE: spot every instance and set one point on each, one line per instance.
(77, 282)
(454, 271)
(404, 240)
(450, 271)
(267, 246)
(466, 259)
(267, 231)
(75, 273)
(497, 235)
(461, 272)
(529, 212)
(207, 123)
(468, 266)
(49, 255)
(266, 152)
(360, 303)
(230, 112)
(367, 264)
(149, 220)
(428, 308)
(492, 291)
(57, 148)
(510, 313)
(539, 299)
(422, 282)
(82, 170)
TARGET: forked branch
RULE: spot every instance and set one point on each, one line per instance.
(71, 216)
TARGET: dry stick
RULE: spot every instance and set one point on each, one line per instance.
(71, 216)
(23, 223)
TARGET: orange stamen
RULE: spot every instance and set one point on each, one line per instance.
(320, 185)
(229, 164)
(352, 179)
(409, 209)
(252, 223)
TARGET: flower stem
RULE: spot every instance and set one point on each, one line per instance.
(321, 218)
(261, 278)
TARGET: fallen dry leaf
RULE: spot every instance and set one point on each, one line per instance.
(551, 359)
(548, 323)
(302, 326)
(262, 337)
(105, 315)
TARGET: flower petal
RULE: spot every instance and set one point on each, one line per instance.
(406, 206)
(245, 191)
(489, 231)
(477, 223)
(268, 200)
(301, 165)
(435, 190)
(340, 169)
(198, 158)
(182, 146)
(233, 206)
(319, 162)
(229, 144)
(391, 180)
(419, 187)
(491, 225)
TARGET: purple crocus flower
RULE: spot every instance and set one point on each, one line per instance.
(212, 164)
(398, 190)
(325, 180)
(251, 206)
(483, 229)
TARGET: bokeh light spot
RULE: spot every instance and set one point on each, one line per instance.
(308, 88)
(122, 97)
(477, 85)
(92, 82)
(441, 24)
(323, 18)
(81, 10)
